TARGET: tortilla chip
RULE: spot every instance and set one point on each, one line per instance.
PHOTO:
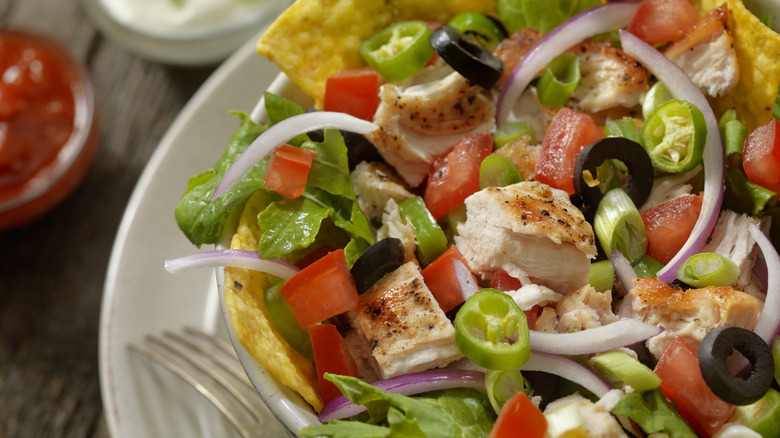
(249, 318)
(758, 52)
(313, 39)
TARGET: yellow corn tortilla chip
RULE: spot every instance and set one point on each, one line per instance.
(249, 318)
(313, 39)
(758, 52)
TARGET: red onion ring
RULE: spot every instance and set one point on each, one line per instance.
(595, 340)
(683, 88)
(768, 324)
(623, 269)
(594, 21)
(238, 258)
(465, 281)
(281, 133)
(568, 369)
(408, 384)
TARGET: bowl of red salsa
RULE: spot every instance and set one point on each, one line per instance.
(48, 126)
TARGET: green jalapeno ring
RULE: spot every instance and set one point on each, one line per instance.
(674, 135)
(492, 331)
(399, 50)
(485, 30)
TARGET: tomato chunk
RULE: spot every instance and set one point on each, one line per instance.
(288, 170)
(519, 417)
(322, 290)
(353, 91)
(669, 224)
(331, 355)
(569, 132)
(761, 156)
(682, 383)
(440, 278)
(663, 21)
(455, 175)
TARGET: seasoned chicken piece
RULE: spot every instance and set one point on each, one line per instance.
(578, 310)
(532, 295)
(523, 154)
(609, 78)
(420, 121)
(374, 185)
(529, 230)
(707, 54)
(731, 238)
(669, 187)
(393, 225)
(691, 313)
(511, 50)
(597, 422)
(405, 328)
(360, 350)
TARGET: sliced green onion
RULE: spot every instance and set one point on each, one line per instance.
(566, 418)
(655, 96)
(602, 275)
(512, 131)
(776, 356)
(708, 269)
(625, 127)
(646, 266)
(620, 365)
(619, 226)
(498, 171)
(559, 80)
(734, 134)
(501, 385)
(431, 241)
(284, 320)
(483, 29)
(745, 196)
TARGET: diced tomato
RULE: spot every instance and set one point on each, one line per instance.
(761, 156)
(353, 91)
(455, 175)
(669, 224)
(682, 383)
(288, 170)
(519, 417)
(663, 21)
(331, 355)
(569, 132)
(440, 278)
(322, 290)
(505, 282)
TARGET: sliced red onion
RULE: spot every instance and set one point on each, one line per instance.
(568, 369)
(594, 21)
(281, 133)
(595, 340)
(408, 384)
(238, 258)
(466, 283)
(683, 88)
(768, 325)
(623, 269)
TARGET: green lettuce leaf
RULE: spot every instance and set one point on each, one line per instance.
(460, 412)
(544, 15)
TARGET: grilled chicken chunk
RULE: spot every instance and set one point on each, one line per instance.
(578, 310)
(596, 418)
(374, 186)
(511, 50)
(529, 230)
(426, 118)
(691, 313)
(393, 225)
(706, 54)
(404, 326)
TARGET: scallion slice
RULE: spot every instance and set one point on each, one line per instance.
(625, 127)
(620, 365)
(512, 131)
(708, 269)
(655, 96)
(559, 80)
(619, 226)
(602, 275)
(498, 171)
(501, 385)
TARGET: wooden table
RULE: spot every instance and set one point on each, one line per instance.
(52, 271)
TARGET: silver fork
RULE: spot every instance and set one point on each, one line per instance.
(211, 366)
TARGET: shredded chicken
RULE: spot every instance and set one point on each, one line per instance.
(393, 225)
(374, 185)
(578, 310)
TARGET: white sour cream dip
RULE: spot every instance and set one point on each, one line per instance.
(184, 18)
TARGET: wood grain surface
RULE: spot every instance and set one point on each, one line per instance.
(52, 270)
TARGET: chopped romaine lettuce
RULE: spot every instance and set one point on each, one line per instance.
(544, 15)
(654, 414)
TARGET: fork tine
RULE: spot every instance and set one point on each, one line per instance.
(238, 406)
(212, 345)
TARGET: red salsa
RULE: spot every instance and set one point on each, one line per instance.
(46, 127)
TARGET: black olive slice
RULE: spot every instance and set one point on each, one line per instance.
(631, 153)
(714, 352)
(383, 257)
(466, 57)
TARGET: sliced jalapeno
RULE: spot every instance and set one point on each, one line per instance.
(283, 319)
(674, 136)
(431, 240)
(399, 50)
(492, 331)
(485, 30)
